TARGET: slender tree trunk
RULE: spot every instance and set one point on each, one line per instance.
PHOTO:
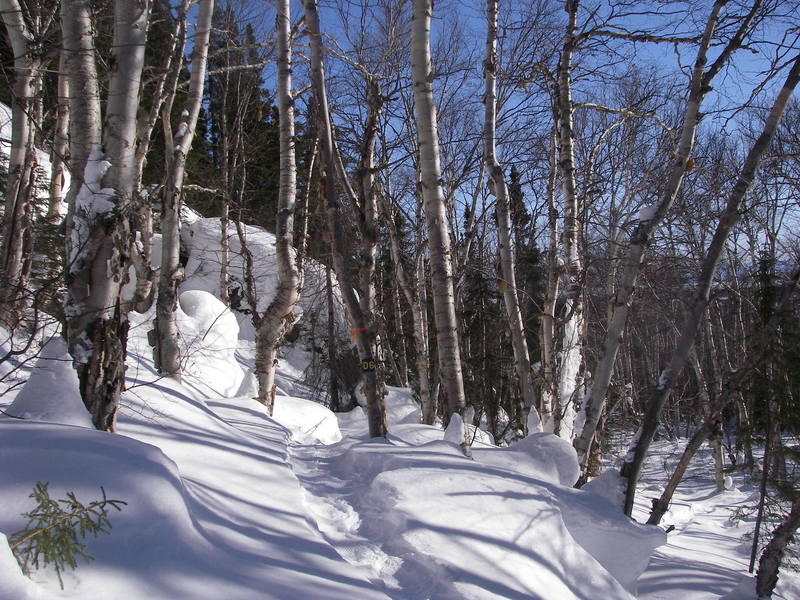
(279, 316)
(58, 155)
(167, 351)
(21, 163)
(507, 260)
(572, 335)
(414, 291)
(699, 86)
(728, 219)
(661, 505)
(333, 359)
(402, 354)
(436, 215)
(547, 329)
(362, 330)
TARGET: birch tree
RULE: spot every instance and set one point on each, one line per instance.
(699, 86)
(279, 316)
(572, 336)
(449, 355)
(167, 352)
(363, 331)
(727, 221)
(98, 231)
(21, 161)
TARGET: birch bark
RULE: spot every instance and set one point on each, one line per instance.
(435, 211)
(17, 217)
(279, 316)
(98, 230)
(167, 351)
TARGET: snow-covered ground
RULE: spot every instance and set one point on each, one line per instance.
(226, 502)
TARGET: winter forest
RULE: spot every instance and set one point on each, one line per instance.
(473, 299)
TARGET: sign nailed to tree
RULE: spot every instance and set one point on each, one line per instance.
(368, 365)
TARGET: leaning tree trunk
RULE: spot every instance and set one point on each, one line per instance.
(363, 331)
(699, 86)
(522, 360)
(279, 316)
(19, 187)
(98, 231)
(167, 351)
(728, 219)
(435, 211)
(767, 574)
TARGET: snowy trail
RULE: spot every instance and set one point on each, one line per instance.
(429, 523)
(264, 526)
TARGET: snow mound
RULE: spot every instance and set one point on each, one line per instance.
(52, 392)
(201, 239)
(543, 456)
(13, 584)
(209, 334)
(308, 421)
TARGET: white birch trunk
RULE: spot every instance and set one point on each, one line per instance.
(279, 316)
(168, 355)
(60, 145)
(435, 212)
(98, 231)
(572, 335)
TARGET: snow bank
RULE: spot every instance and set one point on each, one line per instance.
(209, 338)
(13, 584)
(309, 422)
(201, 239)
(37, 400)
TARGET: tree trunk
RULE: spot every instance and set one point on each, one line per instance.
(572, 335)
(21, 162)
(436, 215)
(507, 261)
(547, 329)
(167, 351)
(279, 316)
(58, 155)
(767, 575)
(728, 219)
(362, 330)
(98, 230)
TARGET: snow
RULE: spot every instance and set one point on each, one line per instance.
(224, 501)
(53, 371)
(455, 433)
(647, 213)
